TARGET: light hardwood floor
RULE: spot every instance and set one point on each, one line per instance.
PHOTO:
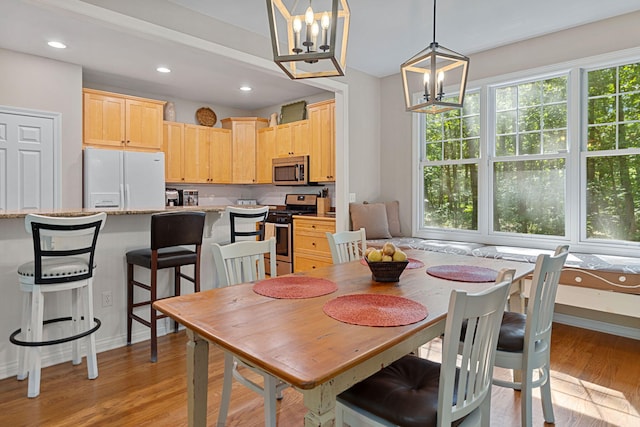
(595, 382)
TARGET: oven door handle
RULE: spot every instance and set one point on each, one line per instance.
(281, 225)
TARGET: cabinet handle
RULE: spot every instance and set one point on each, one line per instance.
(313, 226)
(313, 243)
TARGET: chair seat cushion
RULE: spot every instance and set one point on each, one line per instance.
(404, 393)
(56, 267)
(512, 329)
(167, 257)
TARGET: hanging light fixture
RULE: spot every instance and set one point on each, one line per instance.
(425, 75)
(306, 42)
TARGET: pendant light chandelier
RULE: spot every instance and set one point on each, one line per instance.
(427, 73)
(312, 41)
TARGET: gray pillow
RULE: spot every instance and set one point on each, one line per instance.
(372, 217)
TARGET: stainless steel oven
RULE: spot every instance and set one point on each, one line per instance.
(282, 222)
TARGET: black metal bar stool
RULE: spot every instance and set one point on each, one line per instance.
(170, 232)
(64, 250)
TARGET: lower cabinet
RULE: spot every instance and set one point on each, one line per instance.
(310, 245)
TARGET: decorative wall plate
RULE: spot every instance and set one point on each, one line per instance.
(206, 116)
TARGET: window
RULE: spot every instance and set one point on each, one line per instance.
(530, 152)
(450, 158)
(612, 153)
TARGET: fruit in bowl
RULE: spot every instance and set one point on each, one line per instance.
(386, 264)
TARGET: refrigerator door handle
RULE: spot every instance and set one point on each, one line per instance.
(127, 197)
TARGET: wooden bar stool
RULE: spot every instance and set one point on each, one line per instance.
(170, 232)
(64, 250)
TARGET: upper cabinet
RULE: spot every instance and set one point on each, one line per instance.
(112, 120)
(322, 131)
(243, 136)
(292, 139)
(265, 152)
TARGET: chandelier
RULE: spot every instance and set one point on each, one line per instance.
(306, 42)
(425, 75)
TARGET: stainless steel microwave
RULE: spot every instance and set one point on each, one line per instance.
(291, 170)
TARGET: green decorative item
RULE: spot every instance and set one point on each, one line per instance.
(293, 112)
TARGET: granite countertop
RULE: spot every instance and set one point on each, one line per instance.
(83, 212)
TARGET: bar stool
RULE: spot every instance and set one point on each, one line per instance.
(169, 232)
(64, 250)
(244, 216)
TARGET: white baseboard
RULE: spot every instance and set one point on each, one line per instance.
(61, 353)
(595, 325)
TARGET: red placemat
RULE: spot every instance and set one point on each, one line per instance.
(375, 310)
(413, 263)
(463, 273)
(292, 287)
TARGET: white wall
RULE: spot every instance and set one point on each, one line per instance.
(37, 83)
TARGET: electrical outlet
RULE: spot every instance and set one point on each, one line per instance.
(352, 197)
(107, 299)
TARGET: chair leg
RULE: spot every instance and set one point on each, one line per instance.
(176, 291)
(545, 395)
(154, 314)
(129, 301)
(77, 324)
(90, 340)
(37, 318)
(526, 411)
(269, 396)
(25, 327)
(226, 389)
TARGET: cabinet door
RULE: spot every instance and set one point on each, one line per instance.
(244, 152)
(220, 152)
(265, 152)
(196, 154)
(283, 140)
(143, 124)
(322, 130)
(173, 148)
(300, 142)
(103, 120)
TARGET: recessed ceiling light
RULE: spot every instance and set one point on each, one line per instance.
(57, 45)
(163, 70)
(245, 88)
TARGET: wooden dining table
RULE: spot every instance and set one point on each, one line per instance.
(296, 342)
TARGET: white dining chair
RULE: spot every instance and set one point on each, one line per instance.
(236, 263)
(524, 343)
(415, 392)
(347, 246)
(64, 260)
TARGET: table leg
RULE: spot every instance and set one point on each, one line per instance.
(516, 297)
(197, 379)
(321, 403)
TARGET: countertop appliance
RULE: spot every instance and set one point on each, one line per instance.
(188, 197)
(291, 170)
(282, 221)
(171, 197)
(116, 179)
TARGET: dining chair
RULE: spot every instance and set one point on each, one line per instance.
(414, 392)
(347, 245)
(524, 344)
(176, 241)
(236, 263)
(64, 259)
(247, 222)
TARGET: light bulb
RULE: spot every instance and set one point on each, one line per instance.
(425, 79)
(315, 29)
(325, 21)
(297, 25)
(308, 16)
(441, 77)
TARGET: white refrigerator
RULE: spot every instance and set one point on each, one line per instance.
(115, 179)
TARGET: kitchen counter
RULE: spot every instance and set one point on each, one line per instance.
(110, 212)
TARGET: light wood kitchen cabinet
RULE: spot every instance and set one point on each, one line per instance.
(310, 245)
(243, 137)
(220, 156)
(323, 141)
(112, 120)
(196, 154)
(265, 152)
(292, 139)
(173, 147)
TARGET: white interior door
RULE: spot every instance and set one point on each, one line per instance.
(27, 164)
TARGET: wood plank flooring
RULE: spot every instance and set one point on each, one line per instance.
(595, 382)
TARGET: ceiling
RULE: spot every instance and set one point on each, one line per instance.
(117, 50)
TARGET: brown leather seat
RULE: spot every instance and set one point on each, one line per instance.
(512, 328)
(169, 233)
